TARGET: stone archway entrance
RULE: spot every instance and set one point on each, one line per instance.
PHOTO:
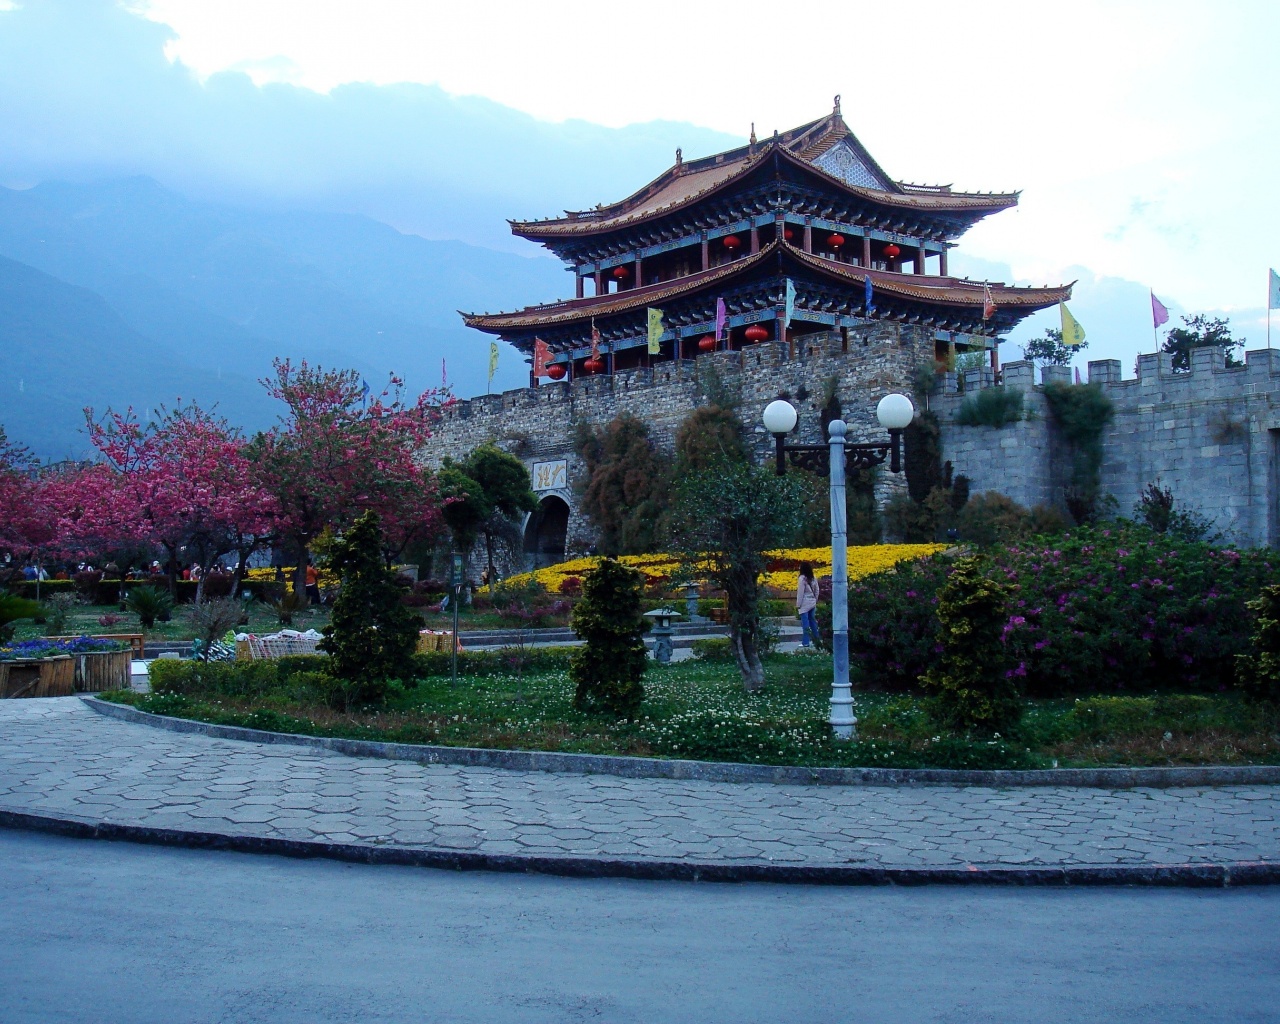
(546, 531)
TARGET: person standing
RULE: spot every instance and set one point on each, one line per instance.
(313, 584)
(806, 605)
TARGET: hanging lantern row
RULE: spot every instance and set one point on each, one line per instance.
(556, 371)
(594, 365)
(756, 333)
(707, 343)
(732, 242)
(892, 251)
(620, 272)
(835, 241)
(788, 234)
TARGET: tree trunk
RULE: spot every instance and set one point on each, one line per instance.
(488, 547)
(300, 570)
(748, 658)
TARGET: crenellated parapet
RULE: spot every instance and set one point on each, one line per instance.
(1211, 435)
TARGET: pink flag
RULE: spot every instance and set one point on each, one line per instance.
(1159, 315)
(1078, 381)
(721, 316)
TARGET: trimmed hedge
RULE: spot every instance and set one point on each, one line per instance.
(107, 591)
(494, 663)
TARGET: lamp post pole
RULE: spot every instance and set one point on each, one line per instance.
(843, 721)
(894, 413)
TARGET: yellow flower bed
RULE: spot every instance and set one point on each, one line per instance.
(782, 574)
(326, 578)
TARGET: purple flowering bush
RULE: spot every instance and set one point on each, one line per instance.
(1102, 610)
(45, 648)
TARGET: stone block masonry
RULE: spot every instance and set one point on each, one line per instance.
(540, 424)
(1211, 436)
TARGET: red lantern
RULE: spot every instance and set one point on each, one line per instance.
(707, 343)
(732, 242)
(556, 371)
(788, 234)
(620, 272)
(835, 241)
(892, 252)
(756, 333)
(593, 365)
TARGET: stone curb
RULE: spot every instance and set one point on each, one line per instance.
(1197, 876)
(711, 771)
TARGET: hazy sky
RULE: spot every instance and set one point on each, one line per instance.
(1142, 134)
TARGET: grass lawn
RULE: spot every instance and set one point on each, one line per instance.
(699, 710)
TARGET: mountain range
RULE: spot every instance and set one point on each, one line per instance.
(126, 293)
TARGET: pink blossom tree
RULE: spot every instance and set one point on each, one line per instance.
(335, 454)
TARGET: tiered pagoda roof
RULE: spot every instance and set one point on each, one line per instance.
(807, 212)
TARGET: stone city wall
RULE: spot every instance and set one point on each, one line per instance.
(1212, 436)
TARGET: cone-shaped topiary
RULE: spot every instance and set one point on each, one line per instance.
(609, 668)
(371, 635)
(972, 690)
(1258, 672)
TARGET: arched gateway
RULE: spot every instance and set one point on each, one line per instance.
(545, 532)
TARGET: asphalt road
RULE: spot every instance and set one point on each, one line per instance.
(114, 932)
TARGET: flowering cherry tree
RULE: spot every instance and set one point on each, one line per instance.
(182, 480)
(335, 454)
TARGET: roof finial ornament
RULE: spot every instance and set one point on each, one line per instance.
(679, 159)
(836, 111)
(752, 141)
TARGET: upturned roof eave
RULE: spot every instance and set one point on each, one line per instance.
(906, 286)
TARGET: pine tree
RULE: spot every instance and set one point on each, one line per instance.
(609, 668)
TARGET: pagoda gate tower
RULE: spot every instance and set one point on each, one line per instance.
(794, 265)
(799, 235)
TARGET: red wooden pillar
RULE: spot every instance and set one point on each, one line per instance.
(599, 279)
(920, 258)
(942, 266)
(578, 286)
(755, 239)
(808, 235)
(706, 252)
(866, 250)
(639, 269)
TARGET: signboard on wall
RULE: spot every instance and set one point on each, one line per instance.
(548, 476)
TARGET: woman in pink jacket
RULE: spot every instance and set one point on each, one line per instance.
(806, 602)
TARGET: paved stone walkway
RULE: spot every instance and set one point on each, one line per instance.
(59, 758)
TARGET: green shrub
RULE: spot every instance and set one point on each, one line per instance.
(1081, 412)
(292, 664)
(1258, 669)
(713, 649)
(12, 609)
(972, 691)
(609, 668)
(371, 636)
(993, 518)
(149, 604)
(216, 678)
(57, 610)
(494, 663)
(991, 407)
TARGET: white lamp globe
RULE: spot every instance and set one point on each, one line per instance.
(895, 412)
(779, 417)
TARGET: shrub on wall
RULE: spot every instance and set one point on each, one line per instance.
(991, 407)
(627, 484)
(1081, 412)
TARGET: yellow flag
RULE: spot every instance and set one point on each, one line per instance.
(1072, 332)
(493, 358)
(655, 331)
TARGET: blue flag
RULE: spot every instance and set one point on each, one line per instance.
(789, 304)
(868, 303)
(364, 391)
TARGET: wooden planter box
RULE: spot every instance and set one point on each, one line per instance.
(38, 677)
(103, 670)
(136, 641)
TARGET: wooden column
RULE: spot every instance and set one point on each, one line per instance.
(755, 239)
(942, 267)
(782, 336)
(706, 252)
(866, 250)
(808, 235)
(599, 278)
(920, 258)
(578, 286)
(639, 269)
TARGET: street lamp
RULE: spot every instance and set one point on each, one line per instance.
(894, 412)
